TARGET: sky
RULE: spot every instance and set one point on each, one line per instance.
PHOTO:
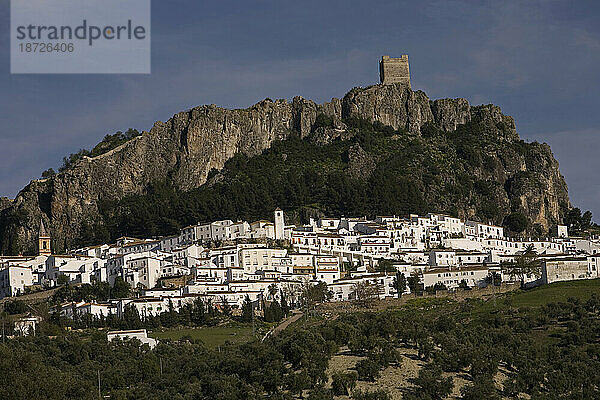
(538, 60)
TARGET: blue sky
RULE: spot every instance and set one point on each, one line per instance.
(538, 60)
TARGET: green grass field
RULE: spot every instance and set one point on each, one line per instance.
(553, 293)
(211, 336)
(556, 292)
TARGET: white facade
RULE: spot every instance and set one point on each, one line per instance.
(452, 277)
(14, 279)
(442, 258)
(77, 269)
(139, 334)
(485, 230)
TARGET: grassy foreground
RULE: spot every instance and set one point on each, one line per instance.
(556, 292)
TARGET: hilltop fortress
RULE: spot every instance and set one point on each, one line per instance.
(184, 150)
(394, 70)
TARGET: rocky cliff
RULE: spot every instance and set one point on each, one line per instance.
(186, 148)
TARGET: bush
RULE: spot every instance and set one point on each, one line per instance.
(343, 383)
(13, 307)
(431, 384)
(323, 121)
(516, 222)
(62, 279)
(368, 369)
(480, 389)
(320, 393)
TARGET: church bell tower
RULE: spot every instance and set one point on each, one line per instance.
(44, 241)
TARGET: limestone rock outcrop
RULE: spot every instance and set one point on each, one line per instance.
(184, 149)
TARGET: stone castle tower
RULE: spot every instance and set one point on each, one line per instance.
(44, 241)
(394, 70)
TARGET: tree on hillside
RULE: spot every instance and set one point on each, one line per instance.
(247, 310)
(378, 394)
(400, 283)
(576, 221)
(525, 264)
(49, 173)
(430, 383)
(225, 307)
(493, 278)
(273, 312)
(272, 291)
(131, 317)
(480, 389)
(365, 292)
(414, 283)
(516, 222)
(62, 280)
(313, 294)
(368, 369)
(385, 266)
(13, 307)
(120, 289)
(343, 382)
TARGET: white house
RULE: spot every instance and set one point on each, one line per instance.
(14, 279)
(77, 269)
(142, 271)
(327, 268)
(344, 289)
(484, 230)
(474, 276)
(259, 258)
(139, 334)
(26, 326)
(440, 258)
(92, 308)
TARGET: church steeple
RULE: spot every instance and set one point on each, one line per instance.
(44, 241)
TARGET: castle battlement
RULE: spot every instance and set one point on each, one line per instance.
(394, 70)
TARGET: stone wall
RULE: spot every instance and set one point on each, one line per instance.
(564, 270)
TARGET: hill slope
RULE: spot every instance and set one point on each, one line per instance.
(379, 150)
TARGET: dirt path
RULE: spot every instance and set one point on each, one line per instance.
(279, 328)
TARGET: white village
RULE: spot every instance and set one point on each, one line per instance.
(228, 263)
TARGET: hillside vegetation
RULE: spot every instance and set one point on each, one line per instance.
(526, 343)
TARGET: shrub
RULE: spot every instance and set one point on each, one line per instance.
(480, 389)
(368, 369)
(323, 121)
(516, 222)
(431, 384)
(320, 393)
(15, 307)
(343, 382)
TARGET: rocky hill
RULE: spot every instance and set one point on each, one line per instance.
(383, 149)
